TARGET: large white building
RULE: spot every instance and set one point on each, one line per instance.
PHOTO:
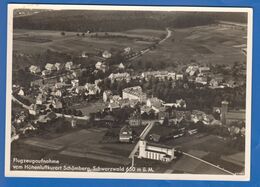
(134, 93)
(156, 151)
(119, 77)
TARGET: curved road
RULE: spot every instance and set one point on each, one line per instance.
(169, 34)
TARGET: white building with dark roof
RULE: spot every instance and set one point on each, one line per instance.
(50, 67)
(156, 151)
(34, 69)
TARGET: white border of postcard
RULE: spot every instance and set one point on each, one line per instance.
(58, 174)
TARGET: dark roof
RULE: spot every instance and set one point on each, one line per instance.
(159, 145)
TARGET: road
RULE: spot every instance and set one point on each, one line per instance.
(19, 102)
(169, 34)
(141, 137)
(208, 163)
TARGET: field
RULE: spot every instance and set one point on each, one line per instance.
(209, 148)
(204, 44)
(84, 144)
(37, 41)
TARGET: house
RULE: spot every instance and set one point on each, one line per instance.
(59, 66)
(159, 74)
(115, 98)
(155, 103)
(20, 119)
(179, 76)
(126, 134)
(119, 77)
(40, 99)
(127, 50)
(46, 72)
(69, 65)
(75, 82)
(180, 103)
(230, 83)
(101, 66)
(56, 103)
(121, 66)
(106, 54)
(201, 80)
(33, 109)
(80, 89)
(50, 67)
(60, 85)
(204, 69)
(98, 65)
(106, 95)
(134, 93)
(21, 92)
(135, 119)
(92, 89)
(192, 70)
(214, 83)
(197, 116)
(34, 69)
(155, 151)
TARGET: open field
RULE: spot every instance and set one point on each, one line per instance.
(204, 44)
(209, 148)
(37, 41)
(82, 144)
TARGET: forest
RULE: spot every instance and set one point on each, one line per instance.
(110, 21)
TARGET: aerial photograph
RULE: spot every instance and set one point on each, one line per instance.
(128, 91)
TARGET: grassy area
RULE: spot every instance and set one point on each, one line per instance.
(205, 44)
(84, 144)
(38, 41)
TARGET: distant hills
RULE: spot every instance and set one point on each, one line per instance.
(109, 21)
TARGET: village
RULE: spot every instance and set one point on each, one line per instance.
(146, 112)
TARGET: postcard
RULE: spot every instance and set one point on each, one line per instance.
(128, 92)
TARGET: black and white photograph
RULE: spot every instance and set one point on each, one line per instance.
(142, 92)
